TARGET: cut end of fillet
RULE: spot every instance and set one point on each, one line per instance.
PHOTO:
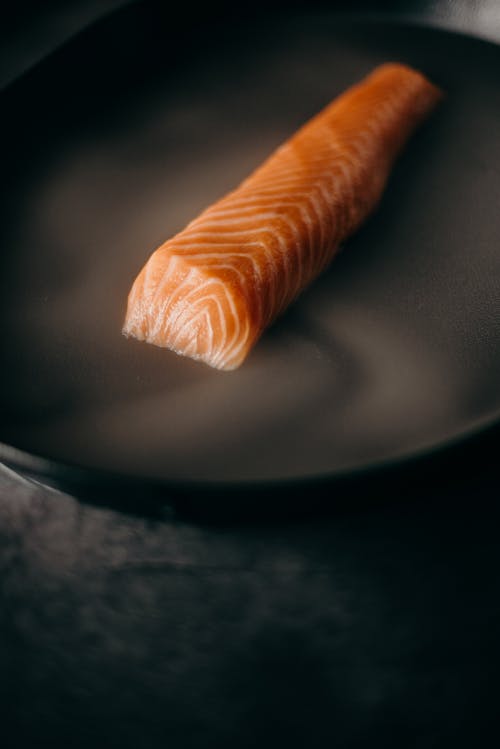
(178, 306)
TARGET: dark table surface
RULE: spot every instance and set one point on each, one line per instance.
(370, 620)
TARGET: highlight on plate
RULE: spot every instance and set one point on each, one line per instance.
(210, 291)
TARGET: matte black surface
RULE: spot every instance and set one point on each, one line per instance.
(119, 139)
(372, 627)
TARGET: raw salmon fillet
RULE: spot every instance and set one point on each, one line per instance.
(211, 290)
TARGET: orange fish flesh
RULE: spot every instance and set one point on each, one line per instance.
(210, 291)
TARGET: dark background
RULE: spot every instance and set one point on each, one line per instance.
(359, 613)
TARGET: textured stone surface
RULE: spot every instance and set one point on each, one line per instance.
(370, 627)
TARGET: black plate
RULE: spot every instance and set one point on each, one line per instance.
(120, 138)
